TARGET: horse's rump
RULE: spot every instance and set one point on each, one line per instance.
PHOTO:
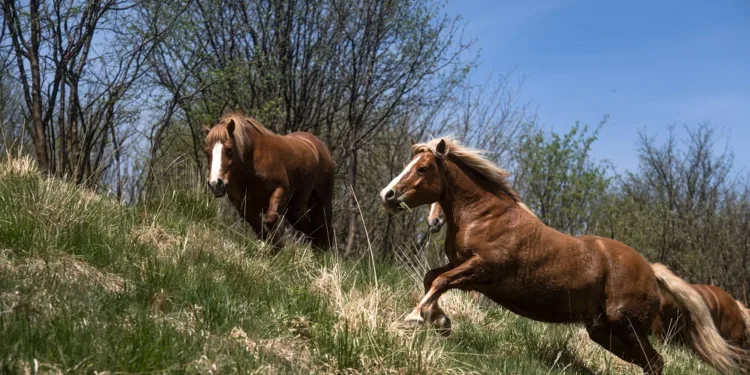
(306, 141)
(310, 148)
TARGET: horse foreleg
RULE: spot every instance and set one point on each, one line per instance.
(433, 313)
(470, 272)
(271, 219)
(272, 213)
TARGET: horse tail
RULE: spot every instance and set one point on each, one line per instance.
(702, 335)
(746, 319)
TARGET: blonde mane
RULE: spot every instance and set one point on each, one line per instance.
(474, 160)
(242, 125)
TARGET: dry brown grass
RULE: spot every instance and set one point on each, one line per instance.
(18, 166)
(184, 321)
(157, 237)
(39, 368)
(39, 274)
(292, 350)
(372, 308)
(62, 267)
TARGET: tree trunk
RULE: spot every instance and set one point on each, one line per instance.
(351, 237)
(40, 136)
(62, 159)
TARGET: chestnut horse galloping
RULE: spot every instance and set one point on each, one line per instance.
(500, 250)
(267, 176)
(730, 317)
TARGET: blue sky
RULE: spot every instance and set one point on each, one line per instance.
(647, 64)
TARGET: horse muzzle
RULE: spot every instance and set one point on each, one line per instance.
(391, 201)
(435, 225)
(218, 188)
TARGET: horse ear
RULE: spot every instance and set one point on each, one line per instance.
(441, 147)
(230, 127)
(205, 128)
(413, 142)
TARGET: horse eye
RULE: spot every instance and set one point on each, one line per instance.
(422, 170)
(229, 152)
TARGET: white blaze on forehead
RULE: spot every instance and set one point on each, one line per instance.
(215, 163)
(433, 211)
(399, 177)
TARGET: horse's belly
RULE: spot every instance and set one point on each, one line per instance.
(547, 305)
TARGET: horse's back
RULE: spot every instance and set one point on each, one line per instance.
(309, 152)
(617, 260)
(318, 145)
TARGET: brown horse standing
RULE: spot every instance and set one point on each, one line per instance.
(267, 176)
(499, 249)
(729, 316)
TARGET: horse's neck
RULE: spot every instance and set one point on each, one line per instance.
(464, 200)
(245, 174)
(260, 145)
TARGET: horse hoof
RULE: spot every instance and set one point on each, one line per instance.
(414, 318)
(443, 326)
(410, 325)
(270, 220)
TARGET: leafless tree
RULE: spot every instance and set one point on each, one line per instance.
(77, 63)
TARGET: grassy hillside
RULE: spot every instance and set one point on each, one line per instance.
(172, 285)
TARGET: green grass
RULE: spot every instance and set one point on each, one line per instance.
(173, 286)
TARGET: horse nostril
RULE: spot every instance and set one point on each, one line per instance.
(390, 194)
(219, 182)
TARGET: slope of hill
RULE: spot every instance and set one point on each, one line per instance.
(171, 285)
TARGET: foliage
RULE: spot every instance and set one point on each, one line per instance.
(558, 179)
(683, 207)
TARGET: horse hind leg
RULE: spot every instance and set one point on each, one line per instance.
(321, 229)
(299, 220)
(629, 342)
